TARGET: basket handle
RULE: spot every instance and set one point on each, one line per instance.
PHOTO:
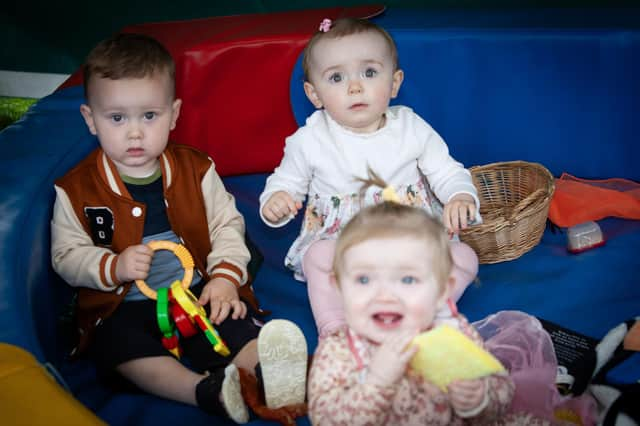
(527, 201)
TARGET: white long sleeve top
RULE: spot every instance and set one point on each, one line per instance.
(321, 160)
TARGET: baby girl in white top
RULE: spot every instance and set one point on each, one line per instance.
(351, 72)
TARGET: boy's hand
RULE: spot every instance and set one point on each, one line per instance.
(223, 297)
(134, 263)
(458, 212)
(279, 205)
(389, 362)
(467, 395)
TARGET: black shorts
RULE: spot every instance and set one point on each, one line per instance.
(132, 332)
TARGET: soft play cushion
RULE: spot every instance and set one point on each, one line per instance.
(30, 396)
(232, 73)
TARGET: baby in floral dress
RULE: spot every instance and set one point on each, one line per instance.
(351, 71)
(360, 374)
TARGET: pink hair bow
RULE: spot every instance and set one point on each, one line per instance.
(325, 25)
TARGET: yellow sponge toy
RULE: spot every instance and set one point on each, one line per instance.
(446, 354)
(29, 395)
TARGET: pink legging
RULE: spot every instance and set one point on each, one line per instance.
(324, 298)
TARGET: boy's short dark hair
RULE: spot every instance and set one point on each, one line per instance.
(344, 27)
(128, 55)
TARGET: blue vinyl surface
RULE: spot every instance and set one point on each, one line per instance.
(521, 86)
(567, 97)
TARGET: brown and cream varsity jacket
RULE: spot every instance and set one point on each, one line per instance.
(95, 218)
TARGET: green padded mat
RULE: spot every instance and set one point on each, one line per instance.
(11, 109)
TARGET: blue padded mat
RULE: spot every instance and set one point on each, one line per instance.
(549, 86)
(589, 293)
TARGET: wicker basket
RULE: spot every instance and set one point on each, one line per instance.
(514, 203)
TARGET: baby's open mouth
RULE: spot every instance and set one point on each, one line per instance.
(387, 319)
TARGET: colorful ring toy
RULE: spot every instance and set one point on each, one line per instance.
(187, 301)
(183, 256)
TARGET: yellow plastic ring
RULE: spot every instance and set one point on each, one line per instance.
(183, 256)
(187, 300)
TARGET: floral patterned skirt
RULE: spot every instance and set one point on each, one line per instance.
(325, 216)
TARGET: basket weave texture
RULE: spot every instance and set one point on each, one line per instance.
(514, 204)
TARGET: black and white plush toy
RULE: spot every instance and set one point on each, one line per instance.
(616, 379)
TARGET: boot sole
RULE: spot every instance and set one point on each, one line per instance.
(282, 351)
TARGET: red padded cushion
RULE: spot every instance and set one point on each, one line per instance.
(233, 77)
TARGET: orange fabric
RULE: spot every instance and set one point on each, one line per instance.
(578, 200)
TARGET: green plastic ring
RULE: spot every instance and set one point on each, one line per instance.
(167, 327)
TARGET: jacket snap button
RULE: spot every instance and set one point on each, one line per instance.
(136, 211)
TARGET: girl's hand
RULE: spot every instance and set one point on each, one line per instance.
(467, 395)
(134, 263)
(458, 212)
(281, 204)
(223, 297)
(389, 362)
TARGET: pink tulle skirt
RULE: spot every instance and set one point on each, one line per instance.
(526, 350)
